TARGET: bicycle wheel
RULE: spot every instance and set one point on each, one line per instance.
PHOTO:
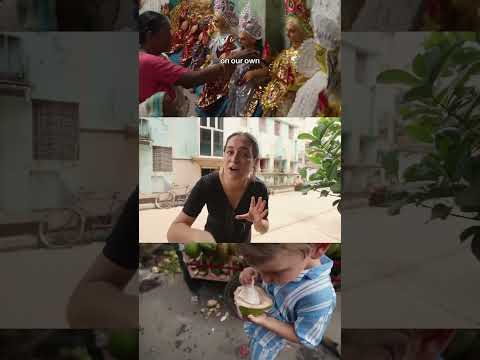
(164, 200)
(61, 228)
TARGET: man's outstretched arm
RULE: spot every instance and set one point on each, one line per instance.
(99, 301)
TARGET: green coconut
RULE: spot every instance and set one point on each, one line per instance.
(192, 250)
(208, 248)
(251, 301)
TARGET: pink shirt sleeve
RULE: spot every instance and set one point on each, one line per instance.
(167, 72)
(157, 73)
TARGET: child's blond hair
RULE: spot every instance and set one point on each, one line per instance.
(261, 253)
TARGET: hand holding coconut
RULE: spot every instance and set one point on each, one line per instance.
(288, 271)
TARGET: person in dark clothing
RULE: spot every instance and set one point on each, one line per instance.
(99, 300)
(236, 199)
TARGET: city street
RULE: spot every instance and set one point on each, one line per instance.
(398, 272)
(38, 284)
(173, 327)
(293, 218)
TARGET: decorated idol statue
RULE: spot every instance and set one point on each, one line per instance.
(244, 93)
(279, 94)
(318, 59)
(199, 30)
(213, 98)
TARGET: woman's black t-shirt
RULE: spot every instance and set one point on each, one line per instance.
(221, 222)
(122, 246)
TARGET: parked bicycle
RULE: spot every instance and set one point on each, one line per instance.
(176, 196)
(65, 227)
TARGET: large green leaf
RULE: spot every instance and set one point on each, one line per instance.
(435, 39)
(466, 56)
(447, 140)
(466, 35)
(397, 76)
(419, 66)
(336, 188)
(319, 130)
(418, 93)
(461, 79)
(419, 132)
(441, 61)
(428, 169)
(410, 112)
(306, 136)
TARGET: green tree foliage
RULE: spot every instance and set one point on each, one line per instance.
(324, 150)
(440, 107)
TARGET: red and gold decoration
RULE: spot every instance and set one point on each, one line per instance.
(298, 9)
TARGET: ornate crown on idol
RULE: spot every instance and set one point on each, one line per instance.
(298, 9)
(227, 9)
(250, 23)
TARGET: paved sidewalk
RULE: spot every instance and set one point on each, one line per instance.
(36, 285)
(398, 272)
(174, 329)
(293, 218)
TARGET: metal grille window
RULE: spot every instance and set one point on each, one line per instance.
(55, 130)
(162, 158)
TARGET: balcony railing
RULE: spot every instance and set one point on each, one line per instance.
(273, 179)
(144, 132)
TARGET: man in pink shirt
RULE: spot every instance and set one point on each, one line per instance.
(157, 73)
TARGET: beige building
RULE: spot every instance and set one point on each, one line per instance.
(180, 151)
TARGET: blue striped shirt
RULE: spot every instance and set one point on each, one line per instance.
(307, 303)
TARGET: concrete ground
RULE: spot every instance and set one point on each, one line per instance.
(293, 218)
(398, 272)
(172, 327)
(38, 283)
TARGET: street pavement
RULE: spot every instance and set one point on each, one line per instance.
(399, 272)
(293, 218)
(38, 283)
(173, 328)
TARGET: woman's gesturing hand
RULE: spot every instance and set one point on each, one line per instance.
(257, 211)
